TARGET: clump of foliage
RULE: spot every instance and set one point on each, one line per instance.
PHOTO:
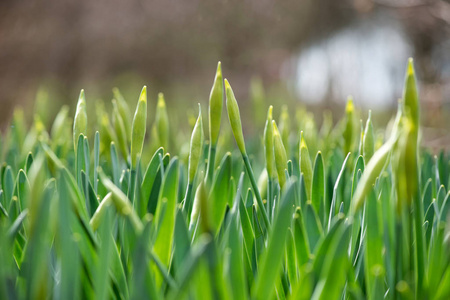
(343, 212)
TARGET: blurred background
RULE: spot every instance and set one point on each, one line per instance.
(311, 52)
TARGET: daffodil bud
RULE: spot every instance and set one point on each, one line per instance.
(80, 120)
(285, 127)
(398, 164)
(139, 127)
(349, 131)
(371, 172)
(268, 144)
(235, 118)
(410, 96)
(411, 103)
(280, 155)
(119, 129)
(60, 124)
(196, 147)
(124, 109)
(305, 165)
(162, 122)
(215, 106)
(369, 139)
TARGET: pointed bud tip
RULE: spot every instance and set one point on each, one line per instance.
(349, 107)
(143, 96)
(410, 66)
(269, 113)
(219, 71)
(82, 97)
(302, 140)
(275, 128)
(161, 101)
(227, 84)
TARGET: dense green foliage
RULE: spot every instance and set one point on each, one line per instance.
(347, 211)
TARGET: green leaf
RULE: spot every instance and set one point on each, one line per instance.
(301, 241)
(220, 192)
(270, 262)
(96, 159)
(164, 236)
(157, 183)
(8, 185)
(333, 276)
(323, 246)
(69, 253)
(335, 190)
(89, 193)
(427, 197)
(374, 248)
(440, 197)
(182, 241)
(318, 188)
(141, 281)
(312, 224)
(22, 188)
(235, 268)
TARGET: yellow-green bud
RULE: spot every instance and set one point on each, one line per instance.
(108, 135)
(398, 163)
(305, 165)
(124, 109)
(369, 139)
(410, 96)
(371, 172)
(280, 155)
(200, 207)
(139, 127)
(99, 214)
(235, 118)
(215, 106)
(285, 127)
(59, 124)
(196, 146)
(162, 122)
(398, 119)
(80, 120)
(119, 129)
(349, 131)
(121, 202)
(411, 102)
(268, 144)
(361, 140)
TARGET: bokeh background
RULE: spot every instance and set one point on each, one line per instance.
(307, 52)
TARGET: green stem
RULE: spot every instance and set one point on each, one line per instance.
(132, 185)
(255, 190)
(398, 256)
(420, 249)
(211, 162)
(269, 194)
(187, 205)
